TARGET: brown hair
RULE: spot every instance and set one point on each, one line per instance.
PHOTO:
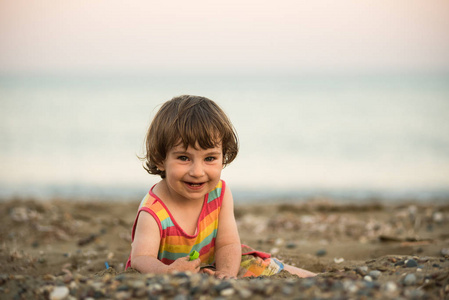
(188, 120)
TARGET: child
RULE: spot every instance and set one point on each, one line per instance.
(188, 143)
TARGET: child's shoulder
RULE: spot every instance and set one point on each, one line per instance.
(149, 201)
(217, 192)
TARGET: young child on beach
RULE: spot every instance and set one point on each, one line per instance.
(188, 143)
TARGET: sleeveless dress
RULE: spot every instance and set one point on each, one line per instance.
(176, 243)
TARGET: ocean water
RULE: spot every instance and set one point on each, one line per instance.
(344, 136)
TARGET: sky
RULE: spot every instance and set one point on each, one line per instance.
(214, 36)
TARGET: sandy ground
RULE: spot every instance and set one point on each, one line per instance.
(47, 240)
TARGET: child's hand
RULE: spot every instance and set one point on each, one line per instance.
(218, 274)
(184, 264)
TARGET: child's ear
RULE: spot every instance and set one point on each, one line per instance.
(160, 167)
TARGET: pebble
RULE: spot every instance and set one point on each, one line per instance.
(291, 245)
(245, 293)
(375, 274)
(363, 270)
(411, 263)
(59, 293)
(410, 279)
(390, 287)
(287, 290)
(368, 278)
(445, 252)
(321, 252)
(227, 292)
(339, 260)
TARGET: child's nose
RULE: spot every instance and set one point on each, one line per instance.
(197, 169)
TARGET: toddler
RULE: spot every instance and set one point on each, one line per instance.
(188, 143)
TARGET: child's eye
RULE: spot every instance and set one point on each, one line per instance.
(183, 158)
(209, 159)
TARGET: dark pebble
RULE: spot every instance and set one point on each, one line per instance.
(411, 263)
(321, 252)
(436, 266)
(291, 245)
(120, 277)
(400, 263)
(222, 286)
(181, 275)
(123, 287)
(98, 294)
(3, 278)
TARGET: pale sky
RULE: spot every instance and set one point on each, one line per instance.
(293, 35)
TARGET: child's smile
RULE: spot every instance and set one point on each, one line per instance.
(192, 173)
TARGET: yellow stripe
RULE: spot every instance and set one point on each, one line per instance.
(177, 244)
(162, 214)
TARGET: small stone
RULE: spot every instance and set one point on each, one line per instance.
(122, 295)
(391, 287)
(339, 260)
(222, 286)
(363, 270)
(245, 293)
(399, 263)
(227, 292)
(49, 277)
(423, 259)
(59, 293)
(445, 252)
(375, 274)
(291, 245)
(321, 252)
(438, 217)
(410, 279)
(350, 286)
(368, 278)
(411, 263)
(287, 290)
(138, 284)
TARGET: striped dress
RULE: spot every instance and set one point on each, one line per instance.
(175, 243)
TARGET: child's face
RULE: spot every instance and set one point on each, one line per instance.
(192, 173)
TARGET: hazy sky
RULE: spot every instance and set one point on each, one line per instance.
(50, 35)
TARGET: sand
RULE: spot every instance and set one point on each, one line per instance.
(359, 250)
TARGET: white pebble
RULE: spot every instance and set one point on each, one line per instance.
(59, 293)
(227, 292)
(274, 251)
(391, 287)
(339, 260)
(367, 278)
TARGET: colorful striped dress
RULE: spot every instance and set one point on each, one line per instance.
(175, 243)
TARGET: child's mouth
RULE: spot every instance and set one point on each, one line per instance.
(194, 184)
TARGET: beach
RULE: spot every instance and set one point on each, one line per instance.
(77, 249)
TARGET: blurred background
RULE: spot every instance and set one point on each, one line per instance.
(346, 99)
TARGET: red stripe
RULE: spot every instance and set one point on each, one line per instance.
(206, 248)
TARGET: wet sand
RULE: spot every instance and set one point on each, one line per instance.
(57, 249)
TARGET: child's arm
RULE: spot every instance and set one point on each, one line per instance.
(228, 251)
(145, 248)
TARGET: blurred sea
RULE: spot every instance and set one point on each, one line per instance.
(351, 137)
